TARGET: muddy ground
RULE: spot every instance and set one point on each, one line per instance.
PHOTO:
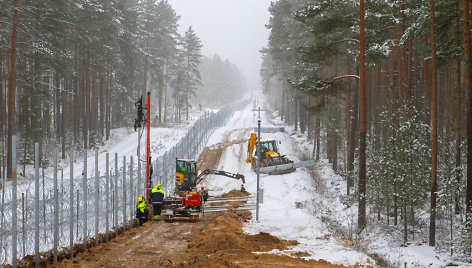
(217, 240)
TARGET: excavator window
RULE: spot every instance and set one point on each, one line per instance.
(193, 168)
(182, 167)
(270, 146)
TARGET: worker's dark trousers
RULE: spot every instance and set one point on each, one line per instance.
(157, 207)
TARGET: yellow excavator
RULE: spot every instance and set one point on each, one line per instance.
(187, 177)
(270, 155)
(187, 202)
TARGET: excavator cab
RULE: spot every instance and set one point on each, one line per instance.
(185, 174)
(269, 146)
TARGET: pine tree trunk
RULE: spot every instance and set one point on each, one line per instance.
(108, 101)
(434, 108)
(165, 95)
(352, 138)
(392, 111)
(302, 117)
(76, 96)
(2, 105)
(12, 92)
(86, 97)
(102, 108)
(282, 106)
(318, 138)
(63, 119)
(348, 137)
(361, 221)
(458, 115)
(466, 31)
(334, 151)
(57, 108)
(427, 90)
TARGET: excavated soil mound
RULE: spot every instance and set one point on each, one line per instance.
(236, 193)
(225, 233)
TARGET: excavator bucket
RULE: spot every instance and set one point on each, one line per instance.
(286, 168)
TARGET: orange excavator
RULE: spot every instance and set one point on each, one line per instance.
(188, 201)
(270, 155)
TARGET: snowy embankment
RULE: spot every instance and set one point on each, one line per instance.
(286, 211)
(330, 203)
(310, 206)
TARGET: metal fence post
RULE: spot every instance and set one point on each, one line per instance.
(44, 204)
(84, 187)
(131, 192)
(24, 223)
(36, 205)
(2, 226)
(61, 211)
(107, 189)
(14, 203)
(71, 205)
(116, 195)
(139, 169)
(124, 193)
(97, 203)
(258, 163)
(56, 207)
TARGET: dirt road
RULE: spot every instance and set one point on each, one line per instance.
(215, 241)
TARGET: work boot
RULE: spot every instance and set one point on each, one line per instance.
(157, 217)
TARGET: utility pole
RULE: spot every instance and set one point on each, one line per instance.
(148, 147)
(258, 165)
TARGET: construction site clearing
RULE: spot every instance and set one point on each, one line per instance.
(217, 240)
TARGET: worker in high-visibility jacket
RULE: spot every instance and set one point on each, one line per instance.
(157, 196)
(141, 211)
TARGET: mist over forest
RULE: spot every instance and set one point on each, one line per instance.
(221, 82)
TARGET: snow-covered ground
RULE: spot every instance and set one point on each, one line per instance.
(285, 212)
(309, 206)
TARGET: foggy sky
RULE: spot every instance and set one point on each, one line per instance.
(233, 29)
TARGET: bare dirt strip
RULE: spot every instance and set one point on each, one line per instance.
(217, 240)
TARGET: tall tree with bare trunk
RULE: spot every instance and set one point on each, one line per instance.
(434, 125)
(12, 90)
(361, 220)
(468, 85)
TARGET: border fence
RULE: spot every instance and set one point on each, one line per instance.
(69, 210)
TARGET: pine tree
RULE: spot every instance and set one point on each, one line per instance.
(191, 53)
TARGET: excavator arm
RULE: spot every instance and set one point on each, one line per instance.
(250, 147)
(218, 172)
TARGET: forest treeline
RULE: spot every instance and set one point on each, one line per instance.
(81, 65)
(386, 86)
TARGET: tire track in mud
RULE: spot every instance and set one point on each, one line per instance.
(211, 155)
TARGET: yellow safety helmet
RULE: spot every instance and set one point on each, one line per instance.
(158, 185)
(140, 198)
